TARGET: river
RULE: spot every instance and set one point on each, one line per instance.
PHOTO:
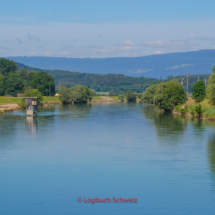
(126, 150)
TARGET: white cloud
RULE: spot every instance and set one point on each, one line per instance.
(100, 50)
(179, 66)
(143, 71)
(47, 54)
(129, 43)
(118, 40)
(158, 52)
(30, 54)
(176, 44)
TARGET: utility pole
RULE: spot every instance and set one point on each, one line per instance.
(187, 84)
(205, 82)
(49, 91)
(198, 77)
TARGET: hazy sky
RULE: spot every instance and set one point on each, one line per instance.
(99, 28)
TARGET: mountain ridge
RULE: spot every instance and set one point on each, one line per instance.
(151, 66)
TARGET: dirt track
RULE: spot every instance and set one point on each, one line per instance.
(9, 108)
(105, 99)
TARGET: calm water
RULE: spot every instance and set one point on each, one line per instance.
(112, 150)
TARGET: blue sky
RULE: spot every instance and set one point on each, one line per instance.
(95, 28)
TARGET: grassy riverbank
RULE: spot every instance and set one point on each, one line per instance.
(208, 111)
(17, 100)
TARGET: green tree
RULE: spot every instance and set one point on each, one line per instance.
(169, 94)
(81, 94)
(23, 73)
(199, 91)
(44, 83)
(13, 84)
(2, 85)
(34, 93)
(30, 78)
(75, 94)
(7, 66)
(131, 96)
(148, 95)
(211, 88)
(65, 95)
(112, 93)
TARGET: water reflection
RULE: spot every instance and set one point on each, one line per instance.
(166, 124)
(211, 155)
(31, 124)
(74, 111)
(211, 152)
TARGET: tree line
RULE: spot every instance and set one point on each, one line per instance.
(168, 94)
(14, 81)
(115, 82)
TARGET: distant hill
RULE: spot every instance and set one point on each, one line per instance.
(153, 66)
(105, 83)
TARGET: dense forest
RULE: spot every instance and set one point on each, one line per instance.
(14, 81)
(99, 83)
(117, 82)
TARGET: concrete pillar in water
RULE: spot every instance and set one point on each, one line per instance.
(31, 105)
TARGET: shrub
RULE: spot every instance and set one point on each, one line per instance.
(178, 108)
(139, 95)
(121, 97)
(33, 93)
(192, 112)
(211, 88)
(131, 96)
(199, 110)
(209, 112)
(184, 110)
(22, 104)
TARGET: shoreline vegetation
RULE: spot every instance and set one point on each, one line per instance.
(166, 95)
(170, 96)
(10, 104)
(188, 110)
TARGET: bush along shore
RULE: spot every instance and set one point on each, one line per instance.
(202, 110)
(170, 96)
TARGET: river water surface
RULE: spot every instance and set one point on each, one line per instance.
(106, 150)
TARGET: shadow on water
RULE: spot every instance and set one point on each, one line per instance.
(166, 124)
(211, 155)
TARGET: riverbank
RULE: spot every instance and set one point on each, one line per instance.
(104, 99)
(14, 107)
(10, 104)
(188, 110)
